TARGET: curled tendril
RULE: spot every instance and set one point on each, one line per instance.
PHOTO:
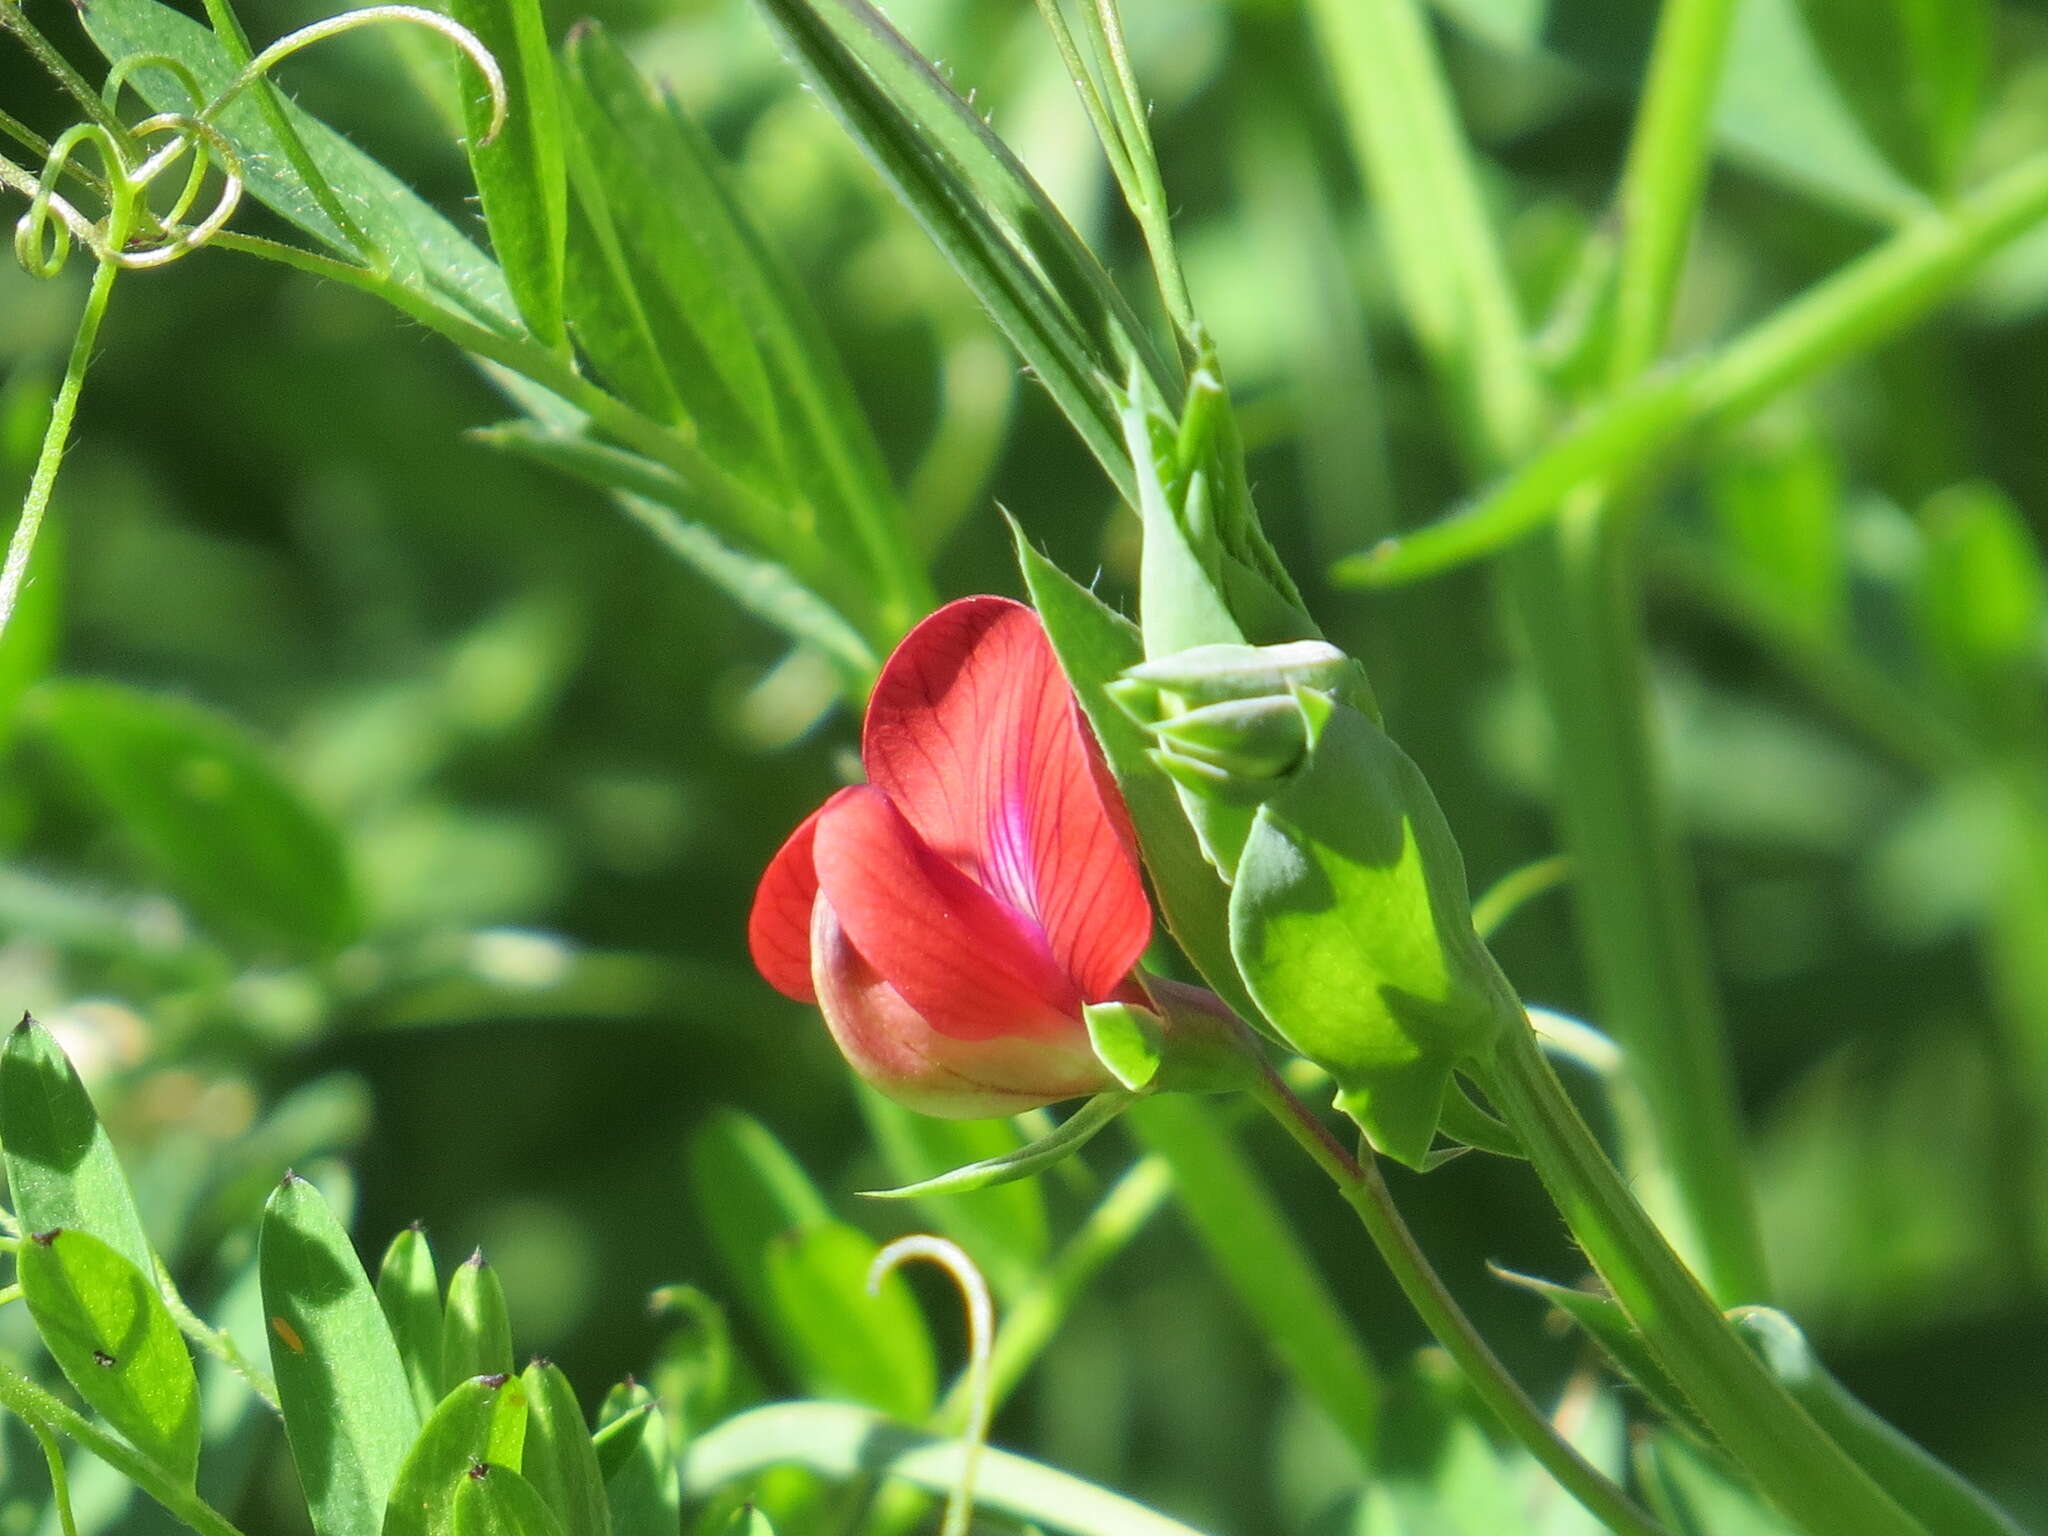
(131, 235)
(981, 1328)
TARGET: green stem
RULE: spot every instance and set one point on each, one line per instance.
(46, 1414)
(1358, 1181)
(1661, 184)
(217, 1342)
(1030, 1323)
(1576, 602)
(1757, 1422)
(12, 19)
(60, 1480)
(1864, 303)
(21, 547)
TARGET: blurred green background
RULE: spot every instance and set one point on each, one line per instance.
(558, 760)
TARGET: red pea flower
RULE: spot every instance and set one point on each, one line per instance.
(952, 916)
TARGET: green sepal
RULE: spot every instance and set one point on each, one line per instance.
(1246, 738)
(1127, 1040)
(1213, 674)
(1351, 927)
(1069, 1137)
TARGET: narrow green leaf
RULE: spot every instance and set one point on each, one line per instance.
(1913, 72)
(845, 1342)
(61, 1167)
(476, 1329)
(1005, 1227)
(842, 1442)
(559, 1459)
(1250, 1242)
(410, 1293)
(348, 1408)
(1924, 1487)
(749, 1192)
(750, 1522)
(521, 175)
(1096, 646)
(480, 1420)
(494, 1500)
(115, 1340)
(638, 1456)
(989, 219)
(427, 253)
(1695, 1496)
(1072, 1134)
(1603, 1321)
(202, 803)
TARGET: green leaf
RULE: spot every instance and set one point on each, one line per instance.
(1925, 1488)
(870, 1349)
(656, 499)
(1913, 72)
(990, 220)
(426, 252)
(1603, 1321)
(750, 1522)
(1982, 602)
(749, 1191)
(650, 193)
(111, 1333)
(1247, 1237)
(1695, 1497)
(61, 1167)
(1004, 1227)
(481, 1420)
(200, 801)
(410, 1294)
(697, 1372)
(638, 1456)
(559, 1459)
(348, 1408)
(1777, 509)
(1072, 1134)
(1351, 927)
(521, 174)
(494, 1500)
(1127, 1040)
(1096, 646)
(476, 1328)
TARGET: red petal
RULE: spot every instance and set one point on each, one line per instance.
(889, 1044)
(779, 927)
(971, 966)
(973, 732)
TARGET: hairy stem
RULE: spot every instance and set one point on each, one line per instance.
(1358, 1181)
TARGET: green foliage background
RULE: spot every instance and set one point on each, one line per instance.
(557, 761)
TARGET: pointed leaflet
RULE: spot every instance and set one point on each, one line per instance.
(494, 1500)
(559, 1459)
(1350, 926)
(481, 1420)
(476, 1329)
(1067, 1138)
(749, 1191)
(520, 174)
(202, 802)
(348, 1409)
(638, 1455)
(109, 1330)
(410, 1294)
(61, 1167)
(989, 219)
(1095, 646)
(843, 1340)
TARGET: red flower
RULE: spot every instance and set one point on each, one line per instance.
(952, 915)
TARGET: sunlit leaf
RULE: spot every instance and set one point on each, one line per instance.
(480, 1420)
(866, 1348)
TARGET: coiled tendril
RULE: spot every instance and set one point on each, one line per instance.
(952, 1258)
(132, 235)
